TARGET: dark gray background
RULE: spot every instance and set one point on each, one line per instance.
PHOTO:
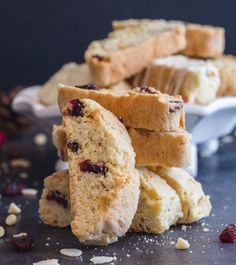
(38, 36)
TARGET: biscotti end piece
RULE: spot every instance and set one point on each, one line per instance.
(167, 148)
(204, 41)
(159, 205)
(197, 81)
(142, 107)
(54, 205)
(227, 68)
(104, 184)
(195, 204)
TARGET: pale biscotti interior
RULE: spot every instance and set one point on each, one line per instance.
(104, 184)
(54, 205)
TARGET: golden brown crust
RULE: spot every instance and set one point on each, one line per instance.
(204, 41)
(136, 110)
(170, 149)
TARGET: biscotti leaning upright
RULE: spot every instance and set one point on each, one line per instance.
(127, 51)
(103, 181)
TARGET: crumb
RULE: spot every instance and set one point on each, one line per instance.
(40, 139)
(184, 227)
(23, 175)
(182, 244)
(205, 229)
(14, 209)
(47, 244)
(11, 219)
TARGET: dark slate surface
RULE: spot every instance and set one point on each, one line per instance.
(217, 174)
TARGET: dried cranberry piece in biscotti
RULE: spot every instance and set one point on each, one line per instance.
(88, 86)
(57, 197)
(76, 108)
(73, 146)
(175, 105)
(145, 90)
(97, 168)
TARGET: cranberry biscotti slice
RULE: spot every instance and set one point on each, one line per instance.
(54, 205)
(167, 148)
(197, 81)
(159, 205)
(104, 184)
(142, 107)
(195, 204)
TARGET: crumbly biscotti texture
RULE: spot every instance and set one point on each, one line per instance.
(70, 74)
(144, 107)
(104, 184)
(202, 41)
(195, 204)
(127, 51)
(197, 81)
(169, 148)
(54, 205)
(227, 68)
(159, 206)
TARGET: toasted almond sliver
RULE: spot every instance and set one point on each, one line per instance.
(71, 252)
(2, 231)
(11, 219)
(101, 259)
(20, 235)
(29, 192)
(14, 209)
(47, 262)
(182, 244)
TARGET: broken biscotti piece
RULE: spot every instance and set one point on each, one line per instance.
(159, 206)
(197, 81)
(70, 74)
(142, 107)
(104, 184)
(227, 67)
(195, 204)
(54, 205)
(202, 41)
(167, 148)
(128, 51)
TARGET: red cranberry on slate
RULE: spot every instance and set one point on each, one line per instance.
(2, 138)
(22, 243)
(13, 189)
(97, 168)
(76, 108)
(228, 235)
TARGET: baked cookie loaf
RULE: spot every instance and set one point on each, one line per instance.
(169, 148)
(143, 107)
(70, 74)
(54, 205)
(159, 206)
(197, 81)
(128, 51)
(195, 204)
(104, 184)
(201, 40)
(227, 68)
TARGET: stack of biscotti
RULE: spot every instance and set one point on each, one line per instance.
(154, 121)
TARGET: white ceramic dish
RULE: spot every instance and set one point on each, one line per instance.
(205, 123)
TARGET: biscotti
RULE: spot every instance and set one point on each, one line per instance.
(70, 74)
(103, 181)
(127, 51)
(202, 41)
(227, 68)
(54, 205)
(172, 148)
(169, 148)
(159, 206)
(195, 204)
(197, 81)
(143, 107)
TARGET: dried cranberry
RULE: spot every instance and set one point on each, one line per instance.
(73, 146)
(2, 138)
(22, 243)
(146, 90)
(228, 235)
(97, 168)
(98, 57)
(76, 108)
(13, 189)
(58, 197)
(175, 105)
(88, 86)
